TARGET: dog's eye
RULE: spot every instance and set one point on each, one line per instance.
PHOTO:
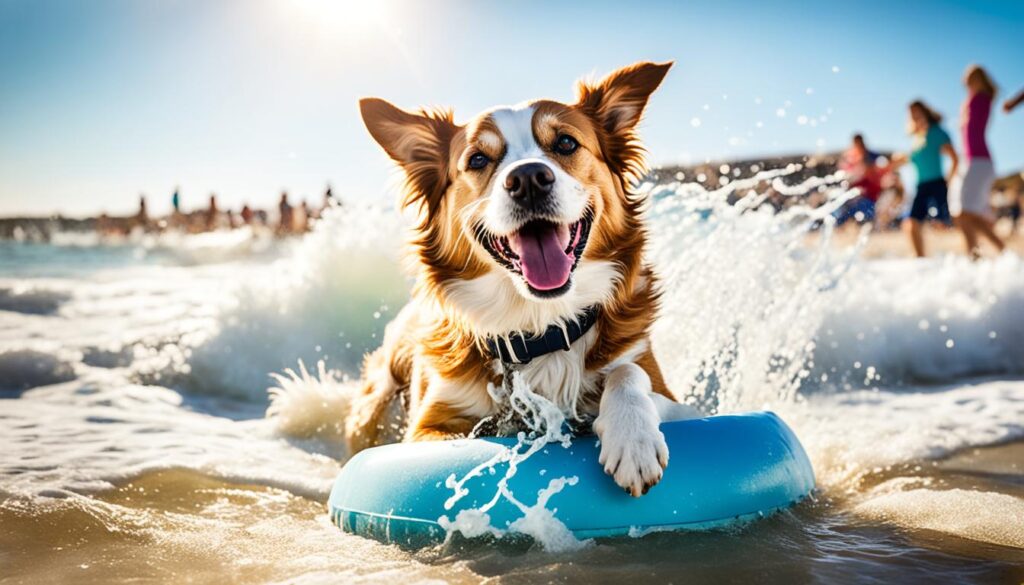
(566, 144)
(478, 161)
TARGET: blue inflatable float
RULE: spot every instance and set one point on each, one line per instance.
(722, 470)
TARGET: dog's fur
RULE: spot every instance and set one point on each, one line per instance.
(434, 359)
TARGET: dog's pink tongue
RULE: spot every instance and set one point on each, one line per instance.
(545, 264)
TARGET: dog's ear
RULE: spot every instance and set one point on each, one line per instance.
(420, 142)
(616, 104)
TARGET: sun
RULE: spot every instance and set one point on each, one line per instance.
(343, 21)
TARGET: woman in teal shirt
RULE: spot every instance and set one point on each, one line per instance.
(930, 143)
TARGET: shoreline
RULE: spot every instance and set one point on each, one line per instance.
(939, 241)
(164, 525)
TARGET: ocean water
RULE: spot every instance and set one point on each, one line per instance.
(134, 381)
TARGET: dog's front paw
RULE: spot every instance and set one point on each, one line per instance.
(634, 456)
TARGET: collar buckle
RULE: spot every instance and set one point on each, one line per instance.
(516, 348)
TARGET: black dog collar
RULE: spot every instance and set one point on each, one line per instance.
(519, 349)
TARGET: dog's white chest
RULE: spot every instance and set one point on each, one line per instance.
(561, 376)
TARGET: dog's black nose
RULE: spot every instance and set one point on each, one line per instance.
(530, 184)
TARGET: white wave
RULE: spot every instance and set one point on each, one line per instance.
(850, 435)
(329, 299)
(755, 313)
(89, 435)
(930, 321)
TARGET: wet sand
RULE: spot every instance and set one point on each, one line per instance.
(938, 241)
(985, 519)
(177, 526)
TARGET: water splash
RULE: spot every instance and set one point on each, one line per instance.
(328, 300)
(547, 426)
(740, 273)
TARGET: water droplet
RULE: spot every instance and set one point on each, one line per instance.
(950, 343)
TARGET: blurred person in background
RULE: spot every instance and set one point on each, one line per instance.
(247, 214)
(212, 213)
(142, 217)
(177, 220)
(864, 174)
(930, 142)
(301, 218)
(969, 197)
(285, 215)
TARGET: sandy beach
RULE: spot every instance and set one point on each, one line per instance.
(938, 241)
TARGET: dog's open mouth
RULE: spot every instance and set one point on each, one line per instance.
(544, 253)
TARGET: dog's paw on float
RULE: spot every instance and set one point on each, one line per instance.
(634, 453)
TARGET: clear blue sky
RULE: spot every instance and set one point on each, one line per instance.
(103, 99)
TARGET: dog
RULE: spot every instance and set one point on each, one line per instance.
(528, 254)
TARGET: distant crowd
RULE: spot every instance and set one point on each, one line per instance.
(961, 197)
(288, 220)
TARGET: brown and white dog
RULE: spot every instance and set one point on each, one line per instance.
(526, 221)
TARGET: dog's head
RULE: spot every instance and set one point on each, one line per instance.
(533, 192)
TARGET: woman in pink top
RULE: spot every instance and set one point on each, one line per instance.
(969, 196)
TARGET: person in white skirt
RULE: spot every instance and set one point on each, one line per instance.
(969, 196)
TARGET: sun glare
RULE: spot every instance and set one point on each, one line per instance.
(345, 21)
